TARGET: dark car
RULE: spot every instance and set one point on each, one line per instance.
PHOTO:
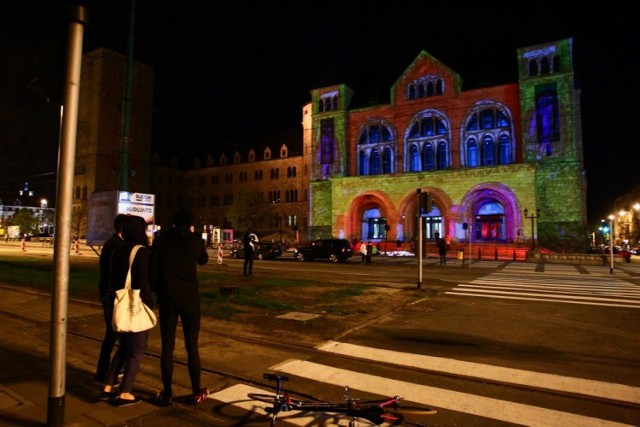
(335, 250)
(263, 251)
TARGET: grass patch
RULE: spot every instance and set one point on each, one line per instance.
(347, 291)
(38, 274)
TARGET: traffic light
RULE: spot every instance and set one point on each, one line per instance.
(426, 203)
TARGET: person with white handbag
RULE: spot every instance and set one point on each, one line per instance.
(132, 344)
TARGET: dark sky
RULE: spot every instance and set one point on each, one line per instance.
(228, 69)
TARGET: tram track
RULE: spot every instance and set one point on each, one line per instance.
(264, 344)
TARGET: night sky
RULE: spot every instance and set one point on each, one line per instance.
(225, 70)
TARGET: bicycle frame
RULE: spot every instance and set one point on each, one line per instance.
(374, 411)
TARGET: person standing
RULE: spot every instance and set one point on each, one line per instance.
(110, 336)
(248, 242)
(443, 247)
(23, 243)
(174, 257)
(369, 252)
(363, 252)
(132, 344)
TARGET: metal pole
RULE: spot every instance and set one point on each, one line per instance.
(124, 163)
(533, 234)
(66, 165)
(611, 244)
(419, 251)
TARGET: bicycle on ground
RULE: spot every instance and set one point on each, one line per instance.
(386, 411)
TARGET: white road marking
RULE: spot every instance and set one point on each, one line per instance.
(600, 389)
(440, 398)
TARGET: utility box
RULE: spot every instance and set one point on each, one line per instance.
(461, 254)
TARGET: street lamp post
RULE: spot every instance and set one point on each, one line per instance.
(533, 229)
(611, 243)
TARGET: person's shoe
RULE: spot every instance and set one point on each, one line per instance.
(108, 395)
(119, 402)
(198, 398)
(163, 400)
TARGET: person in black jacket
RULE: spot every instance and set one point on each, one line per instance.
(133, 344)
(110, 336)
(248, 243)
(174, 258)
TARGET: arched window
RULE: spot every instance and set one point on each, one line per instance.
(387, 160)
(428, 157)
(488, 151)
(415, 159)
(375, 162)
(427, 131)
(504, 150)
(545, 67)
(491, 126)
(443, 161)
(472, 153)
(362, 164)
(533, 67)
(379, 140)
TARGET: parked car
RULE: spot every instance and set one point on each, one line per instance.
(263, 251)
(335, 250)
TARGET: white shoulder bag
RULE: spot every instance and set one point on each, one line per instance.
(130, 314)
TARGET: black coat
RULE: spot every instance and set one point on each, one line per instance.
(174, 257)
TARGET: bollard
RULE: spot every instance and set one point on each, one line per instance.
(495, 255)
(514, 254)
(479, 253)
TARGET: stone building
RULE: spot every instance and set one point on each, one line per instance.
(484, 155)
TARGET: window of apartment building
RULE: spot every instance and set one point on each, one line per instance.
(274, 196)
(257, 175)
(291, 195)
(275, 173)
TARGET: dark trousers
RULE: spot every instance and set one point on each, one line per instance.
(108, 342)
(248, 264)
(128, 358)
(190, 319)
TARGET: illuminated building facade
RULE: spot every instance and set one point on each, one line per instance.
(484, 155)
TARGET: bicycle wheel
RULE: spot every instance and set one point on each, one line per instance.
(261, 397)
(408, 415)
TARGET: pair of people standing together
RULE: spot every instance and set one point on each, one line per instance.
(169, 269)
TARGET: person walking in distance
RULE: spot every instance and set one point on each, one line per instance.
(23, 243)
(132, 345)
(363, 252)
(369, 252)
(248, 242)
(443, 247)
(110, 336)
(175, 255)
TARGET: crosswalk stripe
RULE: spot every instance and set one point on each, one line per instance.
(580, 386)
(479, 295)
(436, 397)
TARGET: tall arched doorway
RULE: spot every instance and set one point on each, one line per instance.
(490, 222)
